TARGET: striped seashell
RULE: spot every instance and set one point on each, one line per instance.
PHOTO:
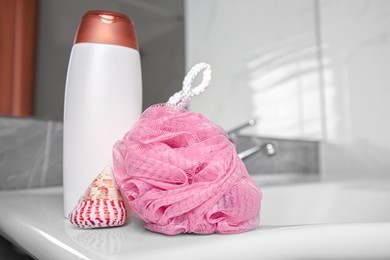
(101, 205)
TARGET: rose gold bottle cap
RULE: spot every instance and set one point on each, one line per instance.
(107, 27)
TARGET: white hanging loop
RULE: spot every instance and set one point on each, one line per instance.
(182, 98)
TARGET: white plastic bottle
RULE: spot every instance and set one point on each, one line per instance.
(103, 98)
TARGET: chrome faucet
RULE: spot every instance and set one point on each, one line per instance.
(232, 134)
(267, 147)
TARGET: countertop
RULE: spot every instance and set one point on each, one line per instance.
(33, 220)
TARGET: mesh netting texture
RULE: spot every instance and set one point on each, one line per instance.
(181, 174)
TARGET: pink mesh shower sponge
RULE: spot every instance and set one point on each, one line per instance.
(181, 174)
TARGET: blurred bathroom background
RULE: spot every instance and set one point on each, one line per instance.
(314, 74)
(307, 70)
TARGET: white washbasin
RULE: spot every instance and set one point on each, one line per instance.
(326, 202)
(301, 221)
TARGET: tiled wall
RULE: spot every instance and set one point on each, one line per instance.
(355, 41)
(30, 153)
(311, 69)
(264, 56)
(288, 156)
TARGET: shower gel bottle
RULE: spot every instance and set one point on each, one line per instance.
(103, 98)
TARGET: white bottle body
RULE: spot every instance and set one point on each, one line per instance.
(103, 99)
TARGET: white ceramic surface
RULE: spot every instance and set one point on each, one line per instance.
(305, 221)
(303, 68)
(356, 57)
(265, 64)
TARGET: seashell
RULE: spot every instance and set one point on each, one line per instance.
(102, 204)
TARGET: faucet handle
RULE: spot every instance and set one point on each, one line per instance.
(268, 148)
(233, 132)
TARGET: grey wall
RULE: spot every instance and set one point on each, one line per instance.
(30, 153)
(160, 30)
